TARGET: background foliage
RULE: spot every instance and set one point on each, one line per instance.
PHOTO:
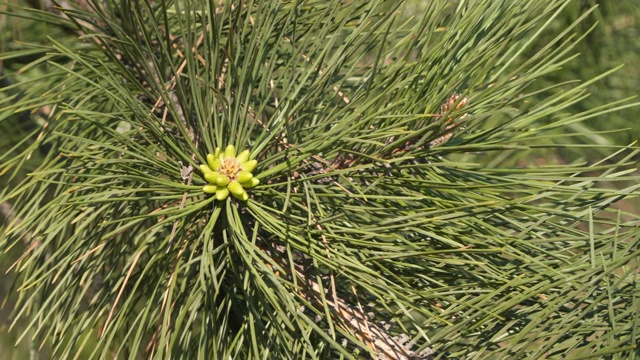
(393, 218)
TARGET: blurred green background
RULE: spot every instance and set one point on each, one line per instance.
(614, 40)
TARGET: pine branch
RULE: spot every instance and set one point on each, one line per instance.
(394, 187)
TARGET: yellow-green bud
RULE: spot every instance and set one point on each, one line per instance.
(209, 189)
(244, 176)
(214, 162)
(205, 169)
(251, 183)
(230, 151)
(222, 167)
(222, 193)
(211, 176)
(243, 156)
(235, 188)
(221, 180)
(249, 165)
(243, 196)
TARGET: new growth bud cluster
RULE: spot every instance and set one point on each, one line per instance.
(227, 174)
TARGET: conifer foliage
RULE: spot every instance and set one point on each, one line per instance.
(313, 180)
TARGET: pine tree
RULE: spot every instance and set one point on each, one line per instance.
(314, 179)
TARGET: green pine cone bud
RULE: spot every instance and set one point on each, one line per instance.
(223, 166)
(230, 151)
(209, 189)
(221, 180)
(214, 162)
(222, 193)
(205, 169)
(244, 176)
(243, 196)
(249, 165)
(211, 176)
(243, 157)
(235, 188)
(251, 183)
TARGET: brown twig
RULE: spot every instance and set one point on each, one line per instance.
(351, 319)
(385, 346)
